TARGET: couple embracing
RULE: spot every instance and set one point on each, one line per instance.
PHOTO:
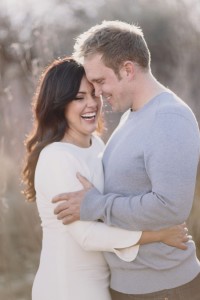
(116, 228)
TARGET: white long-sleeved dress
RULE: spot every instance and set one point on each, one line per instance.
(72, 266)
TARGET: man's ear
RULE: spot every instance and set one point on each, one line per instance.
(128, 69)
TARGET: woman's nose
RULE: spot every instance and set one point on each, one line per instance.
(91, 102)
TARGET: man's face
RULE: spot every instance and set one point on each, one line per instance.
(107, 83)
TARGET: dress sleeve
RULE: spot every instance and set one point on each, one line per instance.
(97, 236)
(55, 174)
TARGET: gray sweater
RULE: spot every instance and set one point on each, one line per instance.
(150, 165)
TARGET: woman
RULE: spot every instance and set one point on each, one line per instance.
(67, 113)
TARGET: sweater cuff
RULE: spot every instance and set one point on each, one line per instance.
(91, 207)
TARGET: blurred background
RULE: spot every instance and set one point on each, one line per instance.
(32, 34)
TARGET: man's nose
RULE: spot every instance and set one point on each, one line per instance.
(98, 91)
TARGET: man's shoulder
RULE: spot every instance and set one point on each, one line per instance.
(171, 104)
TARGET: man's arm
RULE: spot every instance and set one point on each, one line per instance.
(171, 160)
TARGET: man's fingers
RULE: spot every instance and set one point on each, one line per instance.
(69, 210)
(61, 215)
(68, 219)
(60, 197)
(61, 207)
(86, 183)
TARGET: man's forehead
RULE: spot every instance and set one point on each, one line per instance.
(94, 76)
(93, 59)
(93, 72)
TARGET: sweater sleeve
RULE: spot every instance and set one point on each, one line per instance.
(171, 158)
(56, 173)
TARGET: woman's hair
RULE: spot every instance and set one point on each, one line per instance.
(117, 42)
(59, 85)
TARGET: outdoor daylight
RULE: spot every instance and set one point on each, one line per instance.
(32, 34)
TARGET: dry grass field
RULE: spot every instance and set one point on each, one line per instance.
(31, 35)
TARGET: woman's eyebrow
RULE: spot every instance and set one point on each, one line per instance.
(81, 92)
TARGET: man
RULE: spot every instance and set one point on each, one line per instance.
(150, 165)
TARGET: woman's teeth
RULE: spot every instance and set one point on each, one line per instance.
(89, 116)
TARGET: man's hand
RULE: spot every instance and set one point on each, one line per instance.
(69, 211)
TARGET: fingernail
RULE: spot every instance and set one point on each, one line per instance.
(78, 175)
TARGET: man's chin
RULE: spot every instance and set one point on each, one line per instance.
(117, 109)
(114, 108)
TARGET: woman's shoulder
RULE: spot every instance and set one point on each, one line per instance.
(96, 140)
(56, 151)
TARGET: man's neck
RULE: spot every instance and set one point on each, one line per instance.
(147, 88)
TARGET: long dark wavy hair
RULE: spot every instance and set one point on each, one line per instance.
(59, 84)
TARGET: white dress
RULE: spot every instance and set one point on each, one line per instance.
(71, 264)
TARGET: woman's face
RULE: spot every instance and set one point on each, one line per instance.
(83, 112)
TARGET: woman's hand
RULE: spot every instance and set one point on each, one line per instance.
(175, 236)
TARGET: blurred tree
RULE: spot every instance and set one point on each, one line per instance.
(32, 33)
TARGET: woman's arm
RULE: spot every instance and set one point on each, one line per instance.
(56, 171)
(96, 236)
(175, 236)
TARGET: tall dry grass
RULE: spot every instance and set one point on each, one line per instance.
(30, 39)
(20, 236)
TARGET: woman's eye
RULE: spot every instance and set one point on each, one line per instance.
(79, 98)
(94, 96)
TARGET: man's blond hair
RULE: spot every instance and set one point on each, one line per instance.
(117, 42)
